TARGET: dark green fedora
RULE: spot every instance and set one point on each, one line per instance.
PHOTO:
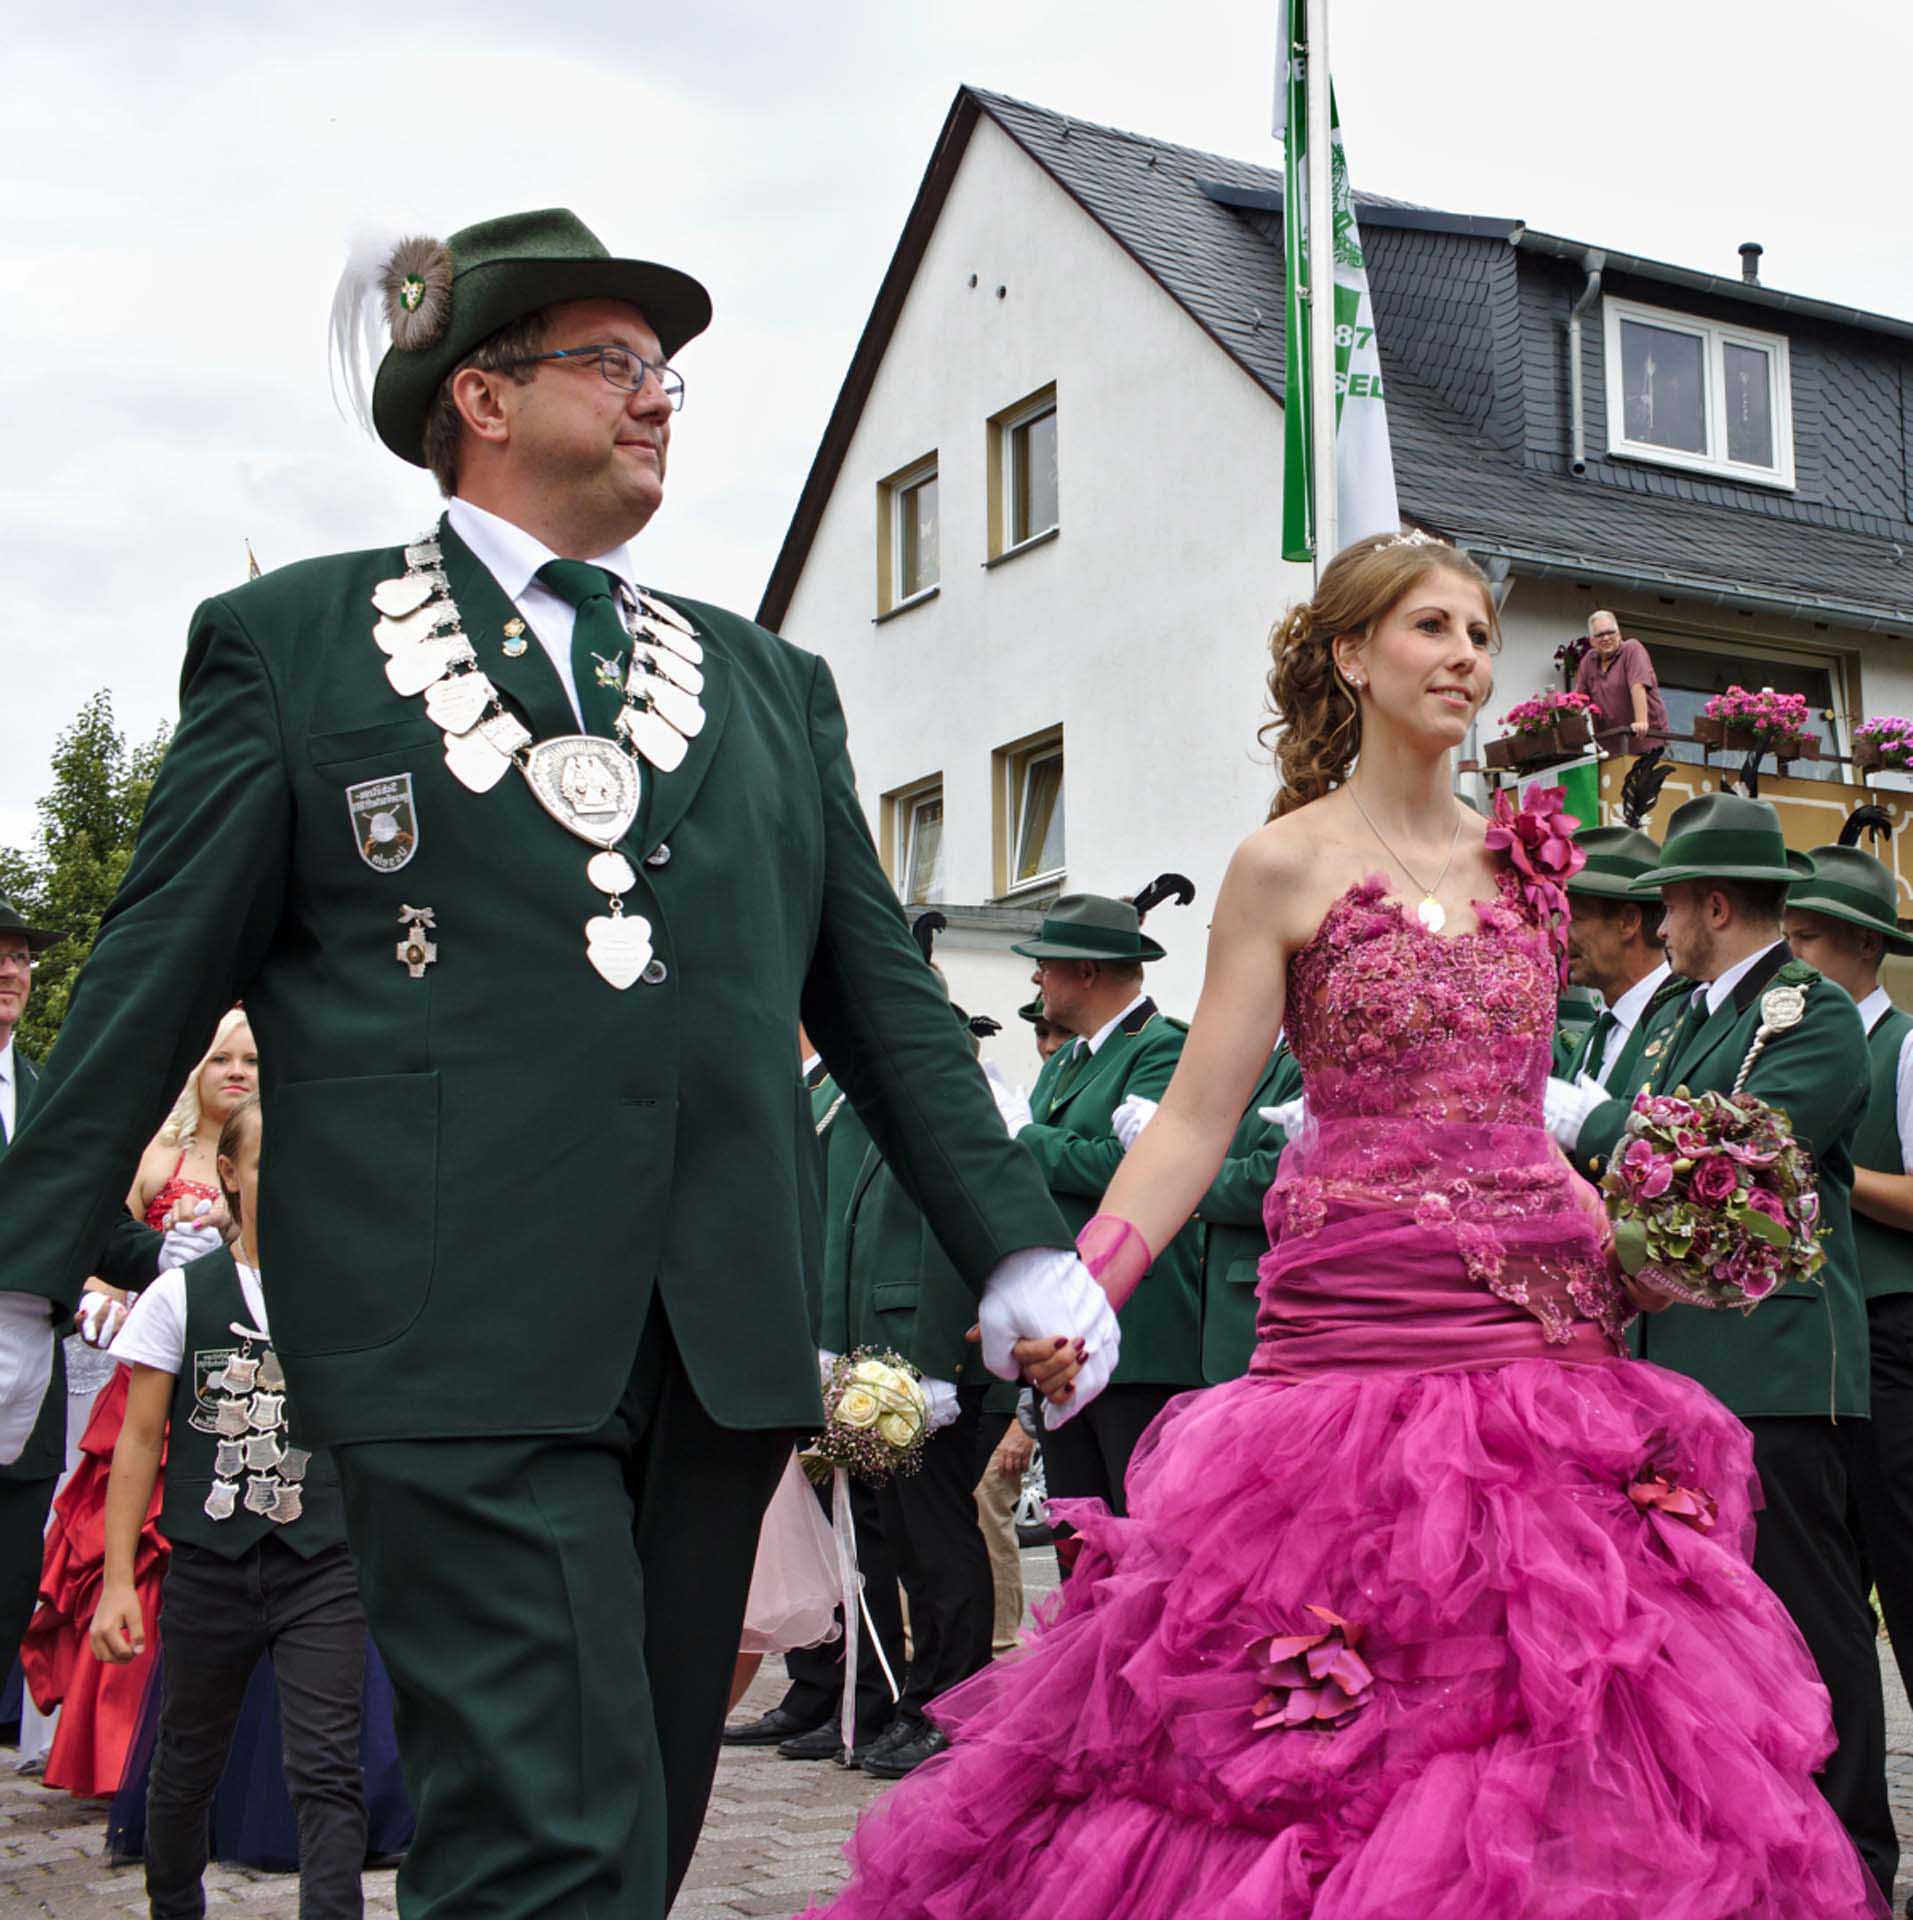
(1090, 926)
(1032, 1011)
(443, 297)
(1616, 858)
(37, 938)
(1721, 836)
(1853, 886)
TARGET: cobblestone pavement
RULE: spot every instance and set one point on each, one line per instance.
(773, 1840)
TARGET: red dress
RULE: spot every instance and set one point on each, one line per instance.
(99, 1704)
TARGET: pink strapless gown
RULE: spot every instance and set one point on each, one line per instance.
(1564, 1698)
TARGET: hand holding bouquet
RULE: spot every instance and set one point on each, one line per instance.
(1713, 1200)
(876, 1418)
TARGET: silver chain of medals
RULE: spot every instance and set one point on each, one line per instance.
(249, 1420)
(590, 785)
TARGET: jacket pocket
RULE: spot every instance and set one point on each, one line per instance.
(348, 1209)
(369, 743)
(895, 1296)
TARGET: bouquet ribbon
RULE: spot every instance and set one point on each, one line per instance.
(851, 1586)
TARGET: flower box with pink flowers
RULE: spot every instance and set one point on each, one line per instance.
(1550, 727)
(1738, 721)
(1885, 742)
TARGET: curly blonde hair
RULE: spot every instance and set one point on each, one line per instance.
(1315, 724)
(182, 1123)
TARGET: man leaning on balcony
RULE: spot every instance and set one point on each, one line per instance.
(1618, 676)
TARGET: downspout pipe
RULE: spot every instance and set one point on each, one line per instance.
(1593, 260)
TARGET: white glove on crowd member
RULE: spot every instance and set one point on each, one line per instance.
(1039, 1292)
(101, 1316)
(186, 1241)
(942, 1400)
(825, 1361)
(1566, 1105)
(1290, 1116)
(1011, 1102)
(1131, 1117)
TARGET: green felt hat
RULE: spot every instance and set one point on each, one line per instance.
(1721, 836)
(443, 298)
(37, 938)
(1090, 926)
(1616, 858)
(1853, 886)
(1032, 1011)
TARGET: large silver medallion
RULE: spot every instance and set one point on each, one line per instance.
(587, 784)
(619, 946)
(1781, 1008)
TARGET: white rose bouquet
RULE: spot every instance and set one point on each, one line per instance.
(875, 1418)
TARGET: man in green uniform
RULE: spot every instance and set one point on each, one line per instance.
(1844, 921)
(1090, 953)
(1795, 1370)
(526, 875)
(1614, 947)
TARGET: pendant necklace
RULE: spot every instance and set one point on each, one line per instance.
(588, 784)
(1428, 910)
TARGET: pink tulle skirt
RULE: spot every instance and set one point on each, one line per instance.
(1578, 1701)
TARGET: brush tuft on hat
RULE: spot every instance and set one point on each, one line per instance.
(384, 270)
(417, 282)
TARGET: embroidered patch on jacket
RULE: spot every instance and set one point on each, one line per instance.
(384, 822)
(207, 1362)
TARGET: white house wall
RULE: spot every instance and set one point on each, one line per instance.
(1141, 628)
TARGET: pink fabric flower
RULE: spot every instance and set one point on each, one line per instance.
(1538, 839)
(1713, 1181)
(1311, 1679)
(1659, 1493)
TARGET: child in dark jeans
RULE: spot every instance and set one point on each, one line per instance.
(259, 1565)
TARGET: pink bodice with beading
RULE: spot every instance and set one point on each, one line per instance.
(1424, 1162)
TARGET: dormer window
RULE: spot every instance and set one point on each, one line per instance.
(1699, 395)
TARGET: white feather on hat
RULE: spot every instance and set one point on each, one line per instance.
(396, 289)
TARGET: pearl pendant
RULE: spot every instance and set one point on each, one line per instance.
(1431, 913)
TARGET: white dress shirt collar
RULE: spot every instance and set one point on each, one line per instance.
(512, 556)
(1627, 1010)
(1103, 1032)
(1873, 1006)
(1718, 989)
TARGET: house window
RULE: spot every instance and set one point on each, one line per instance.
(1023, 473)
(908, 560)
(913, 841)
(1029, 811)
(1690, 675)
(1697, 394)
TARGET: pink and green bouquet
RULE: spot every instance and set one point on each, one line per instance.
(1713, 1200)
(1885, 741)
(1777, 721)
(876, 1418)
(1547, 710)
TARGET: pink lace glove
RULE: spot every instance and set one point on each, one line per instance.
(1116, 1255)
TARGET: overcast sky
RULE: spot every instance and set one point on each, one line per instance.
(181, 184)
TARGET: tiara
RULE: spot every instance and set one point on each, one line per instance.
(1416, 538)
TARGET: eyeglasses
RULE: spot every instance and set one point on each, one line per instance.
(621, 367)
(20, 958)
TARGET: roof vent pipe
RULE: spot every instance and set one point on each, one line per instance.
(1593, 260)
(1750, 252)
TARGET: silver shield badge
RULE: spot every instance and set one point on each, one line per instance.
(384, 822)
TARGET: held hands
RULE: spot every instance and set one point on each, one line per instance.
(1012, 1103)
(102, 1312)
(1029, 1296)
(190, 1237)
(119, 1627)
(1131, 1117)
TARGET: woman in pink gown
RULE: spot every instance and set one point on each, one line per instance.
(1444, 1611)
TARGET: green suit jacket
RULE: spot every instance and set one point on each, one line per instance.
(1234, 1237)
(1802, 1351)
(842, 1140)
(462, 1172)
(1645, 1041)
(1076, 1147)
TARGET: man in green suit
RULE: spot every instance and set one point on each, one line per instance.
(526, 875)
(1844, 921)
(1090, 953)
(1614, 948)
(1795, 1370)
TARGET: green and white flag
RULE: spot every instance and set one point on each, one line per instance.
(1364, 463)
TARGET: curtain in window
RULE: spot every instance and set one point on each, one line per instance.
(1039, 840)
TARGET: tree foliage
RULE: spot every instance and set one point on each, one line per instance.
(89, 818)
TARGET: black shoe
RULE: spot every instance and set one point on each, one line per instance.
(775, 1726)
(823, 1743)
(907, 1755)
(898, 1730)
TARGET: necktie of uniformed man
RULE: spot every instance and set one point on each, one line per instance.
(1604, 1025)
(599, 643)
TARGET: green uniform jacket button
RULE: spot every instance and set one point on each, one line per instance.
(655, 974)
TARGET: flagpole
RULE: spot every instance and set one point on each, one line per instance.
(1321, 237)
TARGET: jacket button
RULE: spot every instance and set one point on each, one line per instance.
(655, 974)
(659, 856)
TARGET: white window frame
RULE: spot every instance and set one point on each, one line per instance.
(1714, 336)
(1025, 417)
(1016, 764)
(909, 807)
(1003, 428)
(892, 510)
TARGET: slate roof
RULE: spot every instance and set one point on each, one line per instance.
(1471, 312)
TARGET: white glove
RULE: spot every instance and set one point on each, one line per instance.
(100, 1317)
(1011, 1102)
(1290, 1116)
(1566, 1105)
(825, 1361)
(942, 1399)
(185, 1242)
(1131, 1117)
(1039, 1292)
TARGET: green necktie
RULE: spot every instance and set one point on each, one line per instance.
(598, 640)
(1694, 1016)
(1604, 1024)
(1071, 1070)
